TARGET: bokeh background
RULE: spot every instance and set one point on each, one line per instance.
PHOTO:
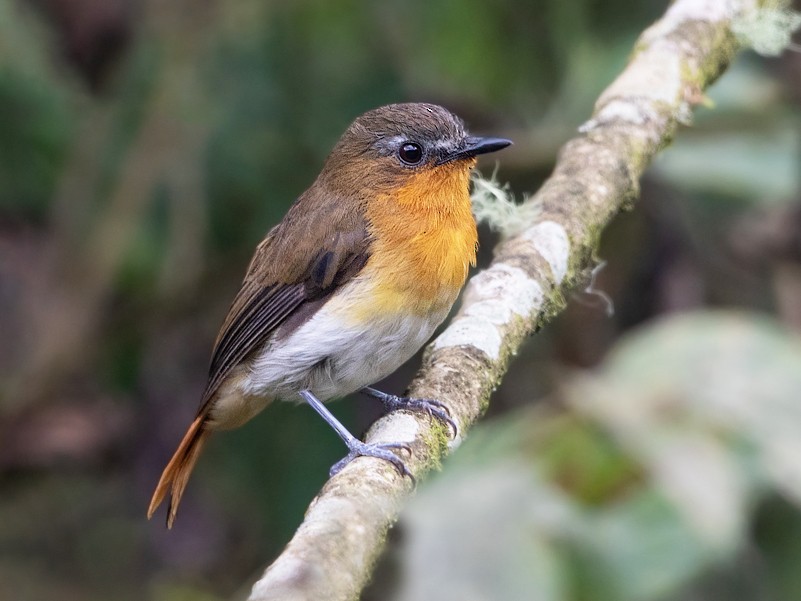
(147, 146)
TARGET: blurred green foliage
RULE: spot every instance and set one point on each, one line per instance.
(36, 131)
(145, 147)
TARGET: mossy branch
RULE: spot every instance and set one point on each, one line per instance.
(543, 254)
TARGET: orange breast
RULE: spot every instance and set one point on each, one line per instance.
(425, 241)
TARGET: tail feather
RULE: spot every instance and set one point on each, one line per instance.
(176, 474)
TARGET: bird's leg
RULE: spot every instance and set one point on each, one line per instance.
(357, 448)
(431, 407)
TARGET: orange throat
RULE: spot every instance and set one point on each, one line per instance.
(425, 240)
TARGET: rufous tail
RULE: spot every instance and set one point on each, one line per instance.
(178, 470)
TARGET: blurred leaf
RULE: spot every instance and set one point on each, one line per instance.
(760, 167)
(495, 545)
(635, 549)
(732, 378)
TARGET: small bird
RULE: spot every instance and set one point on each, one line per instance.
(349, 285)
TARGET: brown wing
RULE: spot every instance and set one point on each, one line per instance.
(314, 250)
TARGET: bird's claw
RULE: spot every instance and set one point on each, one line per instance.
(383, 451)
(428, 406)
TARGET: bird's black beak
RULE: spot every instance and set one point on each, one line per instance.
(474, 146)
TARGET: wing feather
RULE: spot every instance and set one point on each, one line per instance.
(252, 327)
(289, 277)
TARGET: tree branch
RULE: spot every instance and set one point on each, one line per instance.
(597, 174)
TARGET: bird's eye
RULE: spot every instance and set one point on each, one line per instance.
(410, 153)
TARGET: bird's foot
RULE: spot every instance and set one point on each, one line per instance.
(428, 406)
(357, 448)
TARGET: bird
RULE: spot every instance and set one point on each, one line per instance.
(353, 281)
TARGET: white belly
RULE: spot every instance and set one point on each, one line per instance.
(332, 356)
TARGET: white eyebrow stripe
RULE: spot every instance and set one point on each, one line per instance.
(393, 142)
(445, 145)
